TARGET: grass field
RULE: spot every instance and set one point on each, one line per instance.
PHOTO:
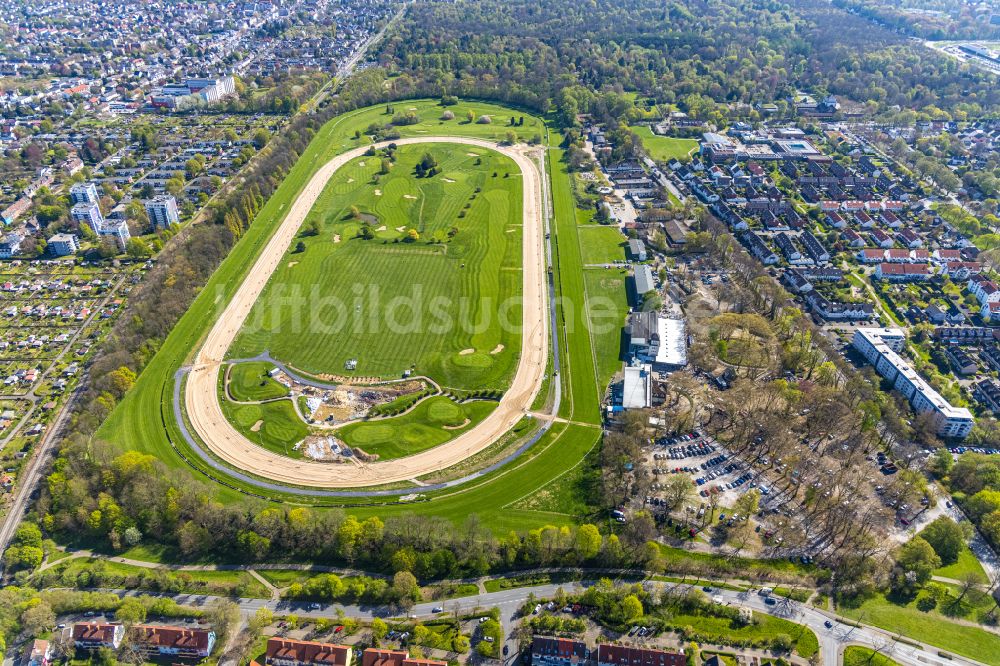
(581, 384)
(250, 381)
(279, 429)
(84, 572)
(433, 305)
(725, 631)
(664, 148)
(855, 655)
(433, 422)
(601, 245)
(927, 626)
(967, 563)
(608, 300)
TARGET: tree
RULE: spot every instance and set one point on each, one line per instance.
(470, 116)
(379, 628)
(677, 490)
(38, 617)
(631, 609)
(260, 138)
(300, 247)
(915, 564)
(946, 537)
(222, 616)
(137, 248)
(587, 543)
(131, 611)
(405, 588)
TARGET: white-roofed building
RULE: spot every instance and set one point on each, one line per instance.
(880, 346)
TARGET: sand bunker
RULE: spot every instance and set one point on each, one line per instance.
(497, 349)
(361, 164)
(448, 180)
(336, 238)
(456, 427)
(409, 196)
(350, 180)
(382, 228)
(256, 426)
(466, 352)
(400, 229)
(473, 154)
(292, 263)
(378, 193)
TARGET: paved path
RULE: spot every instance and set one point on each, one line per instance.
(201, 398)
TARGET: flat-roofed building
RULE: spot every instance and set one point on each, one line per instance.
(880, 346)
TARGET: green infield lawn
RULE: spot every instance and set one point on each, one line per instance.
(664, 148)
(601, 245)
(444, 305)
(433, 422)
(249, 382)
(273, 425)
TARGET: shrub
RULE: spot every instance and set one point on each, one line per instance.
(484, 120)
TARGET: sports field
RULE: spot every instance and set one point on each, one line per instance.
(664, 148)
(143, 420)
(402, 273)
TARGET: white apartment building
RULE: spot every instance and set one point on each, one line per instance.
(85, 193)
(881, 347)
(89, 214)
(162, 212)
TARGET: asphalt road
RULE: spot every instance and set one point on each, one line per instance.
(832, 640)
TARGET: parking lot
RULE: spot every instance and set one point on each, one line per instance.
(709, 466)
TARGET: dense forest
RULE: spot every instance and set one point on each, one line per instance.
(930, 19)
(683, 52)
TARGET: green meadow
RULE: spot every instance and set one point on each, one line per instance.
(402, 273)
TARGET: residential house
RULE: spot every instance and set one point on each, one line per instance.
(637, 249)
(627, 655)
(40, 654)
(289, 652)
(93, 636)
(961, 361)
(175, 642)
(902, 272)
(549, 651)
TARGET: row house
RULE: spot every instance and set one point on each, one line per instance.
(902, 272)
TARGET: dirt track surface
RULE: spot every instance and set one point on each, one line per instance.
(201, 395)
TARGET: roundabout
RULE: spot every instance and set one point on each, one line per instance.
(201, 404)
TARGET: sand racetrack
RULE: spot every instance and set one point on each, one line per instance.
(201, 399)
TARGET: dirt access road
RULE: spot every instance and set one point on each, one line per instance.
(201, 395)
